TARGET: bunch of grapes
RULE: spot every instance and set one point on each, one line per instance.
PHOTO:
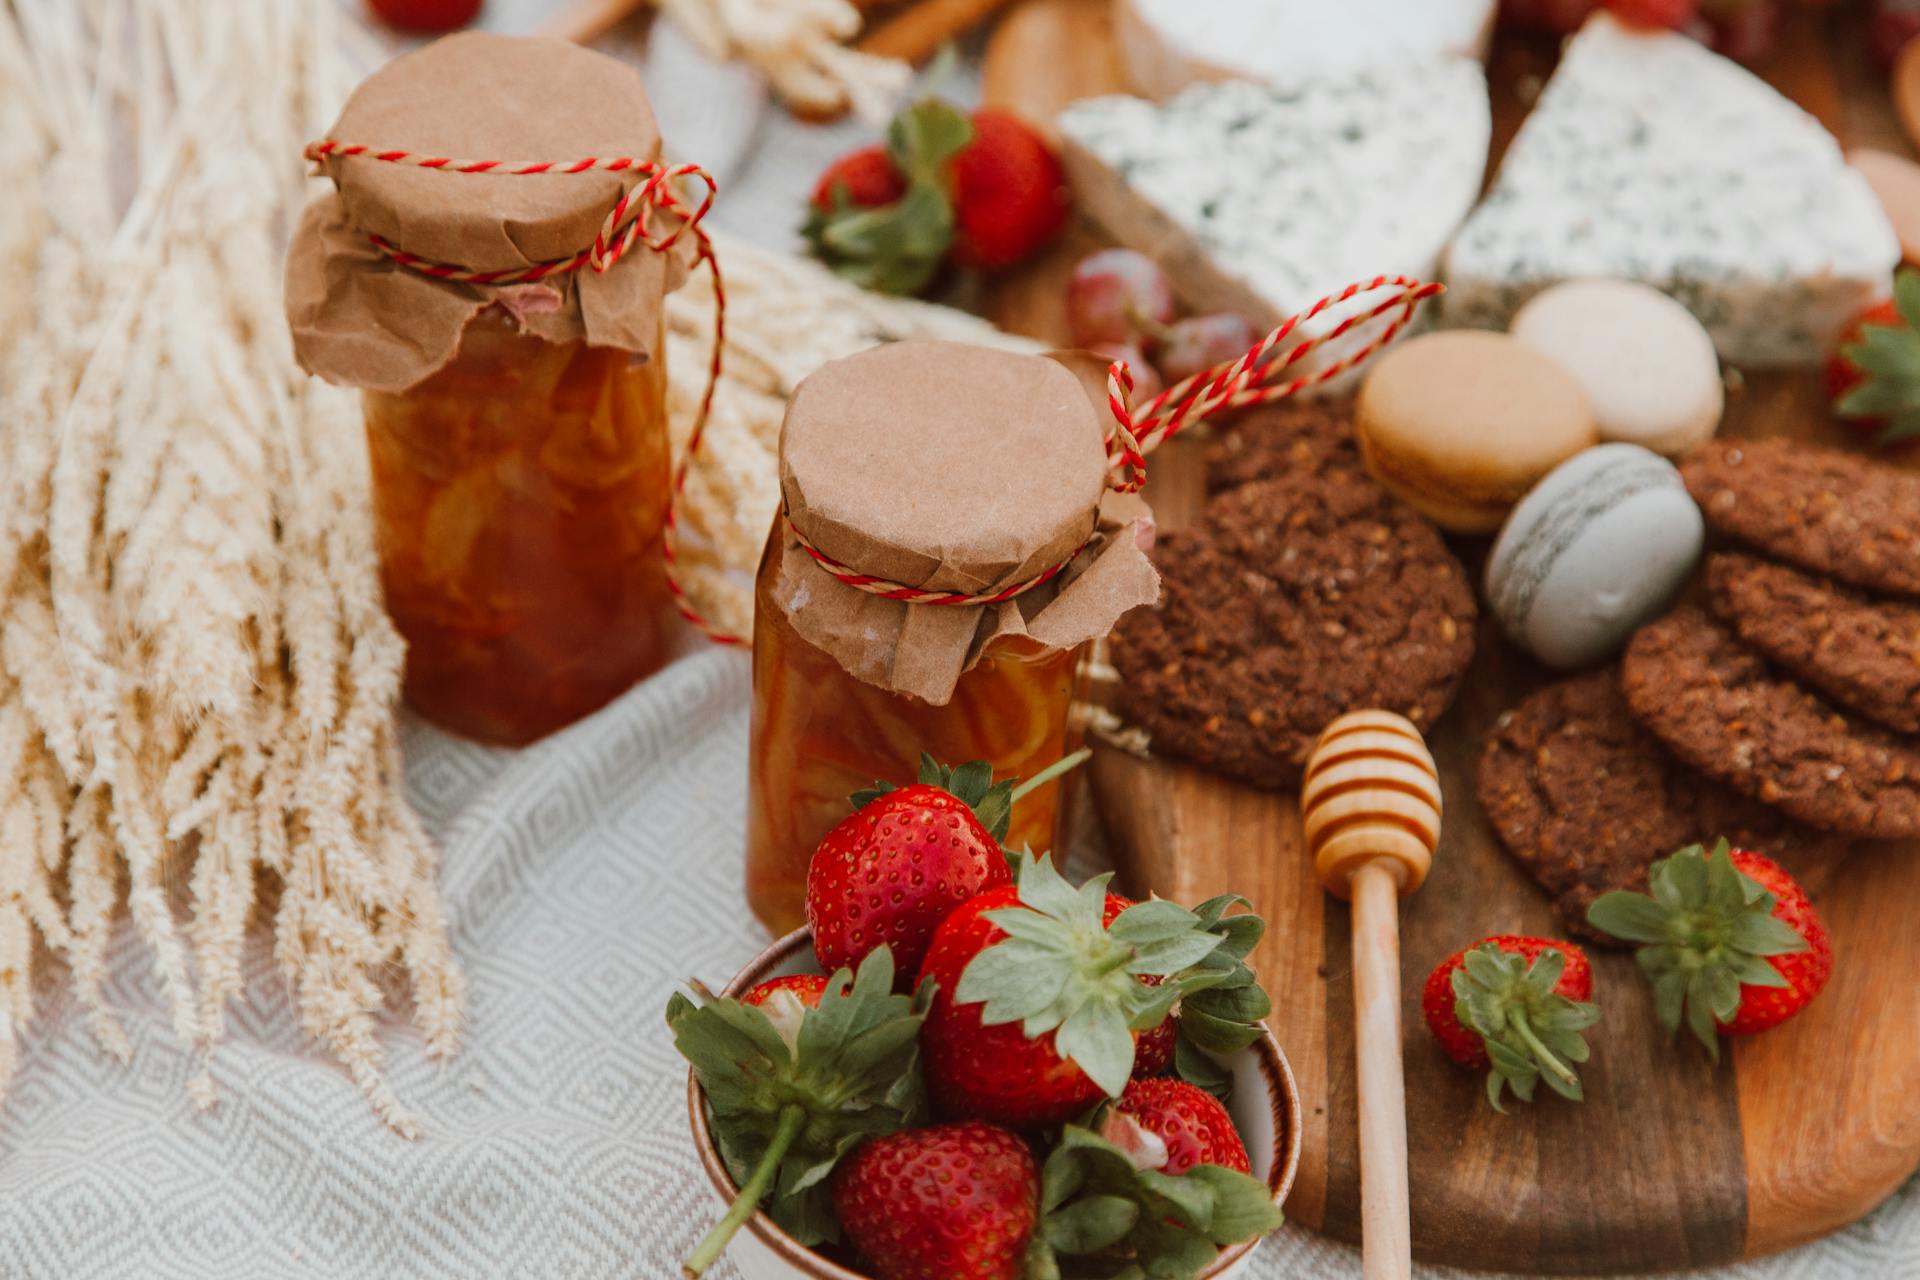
(1120, 305)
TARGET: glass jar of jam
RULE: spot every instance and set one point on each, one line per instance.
(514, 386)
(951, 470)
(519, 498)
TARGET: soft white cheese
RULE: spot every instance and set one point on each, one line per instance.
(1261, 200)
(1650, 158)
(1166, 45)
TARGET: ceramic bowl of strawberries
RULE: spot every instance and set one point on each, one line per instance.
(968, 1067)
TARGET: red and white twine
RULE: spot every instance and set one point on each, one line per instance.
(1237, 384)
(630, 222)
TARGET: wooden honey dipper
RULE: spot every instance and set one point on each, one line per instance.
(1371, 809)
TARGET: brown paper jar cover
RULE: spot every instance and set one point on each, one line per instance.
(947, 467)
(362, 320)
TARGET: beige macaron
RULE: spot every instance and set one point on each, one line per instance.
(1460, 424)
(1647, 366)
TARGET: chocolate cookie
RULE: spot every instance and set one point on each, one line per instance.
(1295, 600)
(1862, 653)
(1832, 512)
(1721, 709)
(1585, 799)
(1283, 439)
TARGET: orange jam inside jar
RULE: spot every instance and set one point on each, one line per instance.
(944, 554)
(819, 735)
(520, 495)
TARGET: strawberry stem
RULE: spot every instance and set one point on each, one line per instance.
(708, 1251)
(1064, 764)
(1541, 1054)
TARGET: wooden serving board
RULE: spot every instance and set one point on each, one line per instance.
(1670, 1162)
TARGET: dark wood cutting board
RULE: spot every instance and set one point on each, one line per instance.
(1670, 1162)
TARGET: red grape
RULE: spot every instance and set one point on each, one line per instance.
(1147, 382)
(1198, 343)
(1746, 34)
(1116, 295)
(1894, 23)
(1671, 14)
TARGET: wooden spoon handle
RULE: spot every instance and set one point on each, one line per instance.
(1385, 1236)
(584, 21)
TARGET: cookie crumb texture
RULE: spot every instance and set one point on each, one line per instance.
(1721, 709)
(1585, 800)
(1860, 652)
(1298, 598)
(1832, 512)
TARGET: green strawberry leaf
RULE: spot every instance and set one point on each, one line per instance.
(922, 139)
(1198, 1067)
(1170, 1228)
(1906, 296)
(1707, 936)
(1529, 1032)
(784, 1117)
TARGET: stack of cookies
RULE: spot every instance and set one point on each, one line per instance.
(1303, 592)
(1784, 714)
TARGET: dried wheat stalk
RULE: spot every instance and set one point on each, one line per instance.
(197, 679)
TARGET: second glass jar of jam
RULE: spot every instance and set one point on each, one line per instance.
(951, 470)
(513, 375)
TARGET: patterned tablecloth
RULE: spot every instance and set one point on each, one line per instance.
(584, 877)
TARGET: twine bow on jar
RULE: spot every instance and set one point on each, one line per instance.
(630, 222)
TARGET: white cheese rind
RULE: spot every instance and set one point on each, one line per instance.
(1649, 158)
(1261, 200)
(1165, 45)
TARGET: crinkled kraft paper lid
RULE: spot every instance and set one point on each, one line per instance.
(361, 319)
(954, 468)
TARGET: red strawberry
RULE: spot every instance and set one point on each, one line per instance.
(1188, 1121)
(1873, 374)
(982, 191)
(807, 988)
(1731, 942)
(953, 1202)
(1517, 1005)
(425, 17)
(1895, 22)
(863, 179)
(1030, 1029)
(1009, 194)
(1153, 1050)
(893, 869)
(1743, 30)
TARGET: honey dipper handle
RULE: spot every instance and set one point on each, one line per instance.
(1385, 1235)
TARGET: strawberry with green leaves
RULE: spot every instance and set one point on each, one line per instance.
(790, 1098)
(1517, 1006)
(1730, 941)
(967, 1201)
(907, 856)
(1180, 1125)
(983, 191)
(1873, 376)
(1100, 1200)
(1039, 997)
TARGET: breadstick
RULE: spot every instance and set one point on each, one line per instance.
(918, 31)
(584, 21)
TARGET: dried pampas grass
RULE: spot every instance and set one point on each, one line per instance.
(197, 678)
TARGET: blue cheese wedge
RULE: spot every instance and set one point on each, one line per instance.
(1260, 200)
(1649, 158)
(1166, 45)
